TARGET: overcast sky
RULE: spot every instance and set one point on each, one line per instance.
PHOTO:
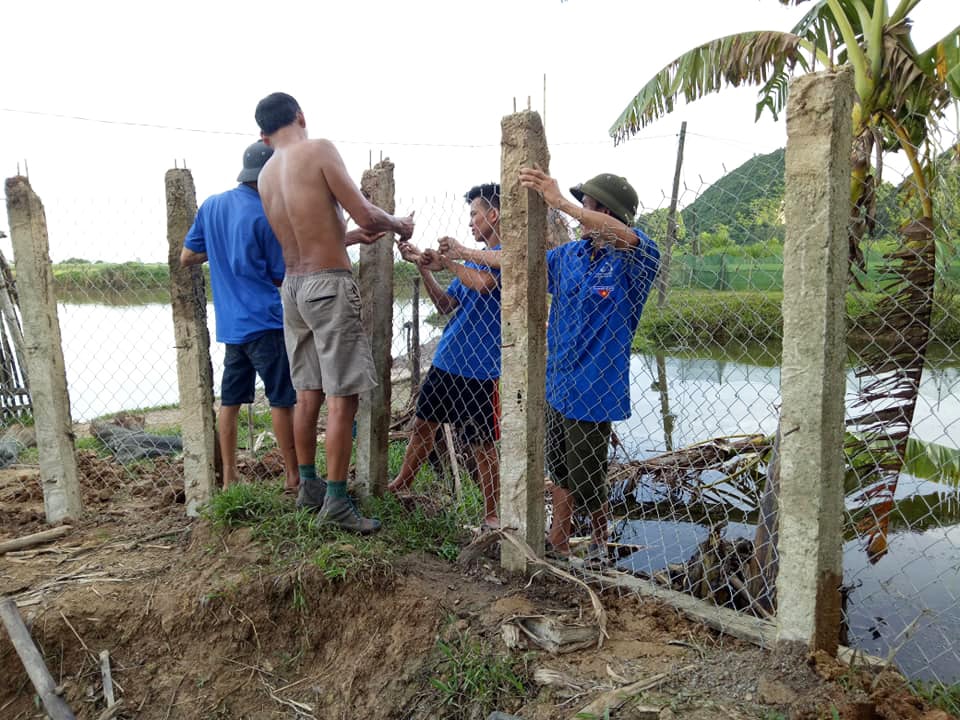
(424, 82)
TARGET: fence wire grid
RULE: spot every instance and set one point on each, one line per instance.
(672, 488)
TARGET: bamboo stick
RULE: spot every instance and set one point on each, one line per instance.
(34, 539)
(32, 661)
(454, 465)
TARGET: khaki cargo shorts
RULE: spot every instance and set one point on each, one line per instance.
(326, 344)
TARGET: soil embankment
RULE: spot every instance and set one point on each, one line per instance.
(204, 624)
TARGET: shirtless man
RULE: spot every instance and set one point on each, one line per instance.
(305, 188)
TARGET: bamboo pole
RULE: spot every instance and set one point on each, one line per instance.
(39, 538)
(32, 661)
(663, 279)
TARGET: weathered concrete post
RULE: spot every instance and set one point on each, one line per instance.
(194, 371)
(376, 293)
(523, 229)
(44, 353)
(819, 138)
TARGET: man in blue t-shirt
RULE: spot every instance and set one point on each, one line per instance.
(461, 385)
(599, 285)
(231, 232)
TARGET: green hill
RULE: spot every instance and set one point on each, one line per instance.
(747, 200)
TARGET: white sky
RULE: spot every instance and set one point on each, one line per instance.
(424, 81)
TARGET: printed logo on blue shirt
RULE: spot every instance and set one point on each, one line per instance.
(603, 290)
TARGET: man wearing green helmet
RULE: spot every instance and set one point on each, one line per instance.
(599, 285)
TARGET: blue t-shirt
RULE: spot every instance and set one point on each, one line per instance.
(470, 344)
(245, 260)
(598, 296)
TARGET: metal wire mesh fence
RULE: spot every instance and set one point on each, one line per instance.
(663, 410)
(902, 538)
(685, 384)
(448, 305)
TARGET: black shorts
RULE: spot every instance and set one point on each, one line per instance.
(472, 405)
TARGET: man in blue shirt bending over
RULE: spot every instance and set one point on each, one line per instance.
(599, 285)
(246, 267)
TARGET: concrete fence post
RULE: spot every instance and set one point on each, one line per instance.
(376, 293)
(194, 370)
(523, 230)
(44, 353)
(819, 138)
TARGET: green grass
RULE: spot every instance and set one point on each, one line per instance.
(290, 536)
(471, 680)
(80, 277)
(945, 697)
(78, 281)
(707, 318)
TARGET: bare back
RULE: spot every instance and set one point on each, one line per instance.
(302, 207)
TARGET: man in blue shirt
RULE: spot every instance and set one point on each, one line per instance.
(599, 285)
(461, 385)
(231, 232)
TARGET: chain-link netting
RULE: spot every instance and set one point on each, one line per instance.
(902, 536)
(446, 378)
(688, 497)
(663, 395)
(663, 390)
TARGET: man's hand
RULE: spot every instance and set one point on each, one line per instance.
(545, 185)
(451, 248)
(362, 237)
(431, 260)
(410, 252)
(405, 231)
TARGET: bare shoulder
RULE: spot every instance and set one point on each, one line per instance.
(322, 148)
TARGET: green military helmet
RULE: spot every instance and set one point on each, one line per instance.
(613, 192)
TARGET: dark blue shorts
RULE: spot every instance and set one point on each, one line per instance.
(265, 356)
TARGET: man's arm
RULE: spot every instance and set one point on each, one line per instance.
(455, 251)
(426, 264)
(194, 250)
(361, 237)
(606, 226)
(480, 280)
(188, 257)
(367, 215)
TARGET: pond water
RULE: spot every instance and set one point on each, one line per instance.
(123, 357)
(920, 574)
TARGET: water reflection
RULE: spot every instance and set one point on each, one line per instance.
(712, 397)
(723, 396)
(919, 576)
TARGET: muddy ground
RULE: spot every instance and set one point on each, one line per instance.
(201, 624)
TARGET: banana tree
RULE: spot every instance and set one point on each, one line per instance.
(901, 94)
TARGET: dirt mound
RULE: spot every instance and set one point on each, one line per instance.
(206, 632)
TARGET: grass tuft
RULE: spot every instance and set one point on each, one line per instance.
(290, 536)
(470, 677)
(945, 697)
